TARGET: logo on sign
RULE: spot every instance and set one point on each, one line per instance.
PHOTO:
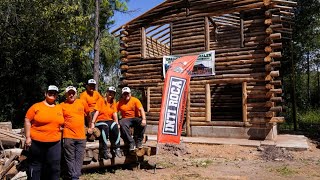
(170, 123)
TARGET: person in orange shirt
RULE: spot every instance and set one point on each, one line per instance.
(91, 96)
(74, 137)
(106, 119)
(133, 115)
(42, 126)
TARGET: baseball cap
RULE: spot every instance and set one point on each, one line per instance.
(71, 88)
(53, 88)
(92, 81)
(126, 89)
(111, 88)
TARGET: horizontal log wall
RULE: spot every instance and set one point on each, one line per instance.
(155, 49)
(188, 35)
(247, 38)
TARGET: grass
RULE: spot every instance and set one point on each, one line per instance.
(310, 116)
(285, 171)
(104, 174)
(202, 163)
(190, 176)
(308, 123)
(164, 164)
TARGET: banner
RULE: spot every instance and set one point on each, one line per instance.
(174, 98)
(204, 66)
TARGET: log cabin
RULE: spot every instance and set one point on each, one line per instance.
(243, 98)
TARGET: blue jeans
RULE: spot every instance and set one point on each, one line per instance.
(109, 129)
(73, 153)
(44, 160)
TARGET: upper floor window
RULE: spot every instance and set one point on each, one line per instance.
(156, 41)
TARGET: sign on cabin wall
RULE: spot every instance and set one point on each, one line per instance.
(204, 66)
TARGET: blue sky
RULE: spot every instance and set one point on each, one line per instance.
(136, 8)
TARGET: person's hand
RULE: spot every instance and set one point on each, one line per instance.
(143, 122)
(119, 126)
(90, 130)
(28, 141)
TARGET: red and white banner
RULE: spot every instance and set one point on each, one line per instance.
(174, 99)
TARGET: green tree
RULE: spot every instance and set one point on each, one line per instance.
(47, 42)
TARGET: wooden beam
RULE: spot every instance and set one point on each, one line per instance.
(208, 103)
(152, 29)
(244, 103)
(164, 29)
(143, 42)
(148, 99)
(207, 34)
(241, 30)
(277, 120)
(188, 125)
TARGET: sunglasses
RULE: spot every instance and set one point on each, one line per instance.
(52, 93)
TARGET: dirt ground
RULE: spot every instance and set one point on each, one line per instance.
(194, 161)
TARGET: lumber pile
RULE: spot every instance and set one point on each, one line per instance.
(11, 145)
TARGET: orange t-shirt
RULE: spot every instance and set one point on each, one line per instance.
(91, 100)
(45, 122)
(105, 109)
(129, 109)
(74, 119)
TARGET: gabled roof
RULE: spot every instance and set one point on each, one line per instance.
(144, 14)
(172, 10)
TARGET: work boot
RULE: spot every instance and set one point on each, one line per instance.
(117, 152)
(132, 147)
(106, 155)
(139, 144)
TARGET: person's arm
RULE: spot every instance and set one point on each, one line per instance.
(87, 112)
(27, 127)
(94, 119)
(115, 118)
(143, 115)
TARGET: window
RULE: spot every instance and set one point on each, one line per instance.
(156, 41)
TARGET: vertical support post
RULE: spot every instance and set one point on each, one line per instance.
(244, 103)
(171, 41)
(187, 3)
(143, 42)
(208, 103)
(293, 89)
(241, 30)
(207, 33)
(188, 124)
(148, 99)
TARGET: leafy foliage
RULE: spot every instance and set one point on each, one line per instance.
(49, 42)
(304, 58)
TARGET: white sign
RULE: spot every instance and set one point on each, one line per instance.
(204, 66)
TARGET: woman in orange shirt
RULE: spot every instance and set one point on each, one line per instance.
(106, 119)
(74, 138)
(42, 126)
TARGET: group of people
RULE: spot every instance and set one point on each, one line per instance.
(51, 128)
